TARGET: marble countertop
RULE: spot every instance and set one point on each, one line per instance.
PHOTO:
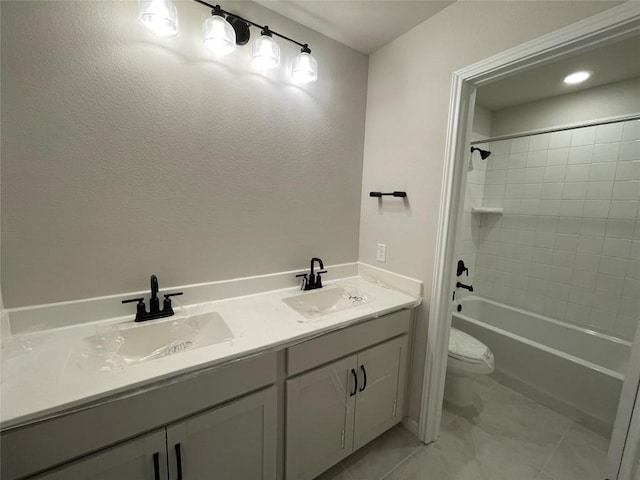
(41, 377)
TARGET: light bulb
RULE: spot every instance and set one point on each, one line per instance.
(218, 35)
(265, 53)
(159, 16)
(305, 68)
(576, 77)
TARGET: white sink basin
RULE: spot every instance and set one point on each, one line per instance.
(318, 303)
(120, 345)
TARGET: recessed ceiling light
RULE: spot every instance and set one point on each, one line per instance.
(576, 77)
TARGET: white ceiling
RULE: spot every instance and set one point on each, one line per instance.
(611, 63)
(364, 25)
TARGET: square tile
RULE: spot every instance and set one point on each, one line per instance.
(520, 144)
(551, 191)
(581, 154)
(601, 172)
(574, 191)
(591, 245)
(629, 151)
(596, 209)
(577, 173)
(613, 266)
(554, 174)
(595, 227)
(626, 190)
(582, 455)
(501, 147)
(557, 156)
(541, 141)
(378, 458)
(619, 228)
(571, 208)
(587, 262)
(537, 159)
(610, 132)
(606, 152)
(616, 247)
(628, 170)
(623, 209)
(583, 136)
(560, 139)
(599, 190)
(631, 130)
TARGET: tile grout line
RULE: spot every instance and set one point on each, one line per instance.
(562, 437)
(402, 462)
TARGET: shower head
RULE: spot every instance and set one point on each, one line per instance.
(484, 154)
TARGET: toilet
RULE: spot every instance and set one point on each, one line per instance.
(468, 358)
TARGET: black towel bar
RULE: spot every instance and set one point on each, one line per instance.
(391, 194)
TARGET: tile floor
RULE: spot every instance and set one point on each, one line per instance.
(513, 438)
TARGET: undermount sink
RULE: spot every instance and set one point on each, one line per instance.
(322, 302)
(120, 345)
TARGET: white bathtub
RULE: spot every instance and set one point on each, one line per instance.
(571, 369)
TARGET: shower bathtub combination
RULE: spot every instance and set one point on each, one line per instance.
(573, 370)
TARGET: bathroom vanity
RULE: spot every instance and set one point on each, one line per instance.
(285, 405)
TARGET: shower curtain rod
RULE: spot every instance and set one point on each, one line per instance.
(540, 131)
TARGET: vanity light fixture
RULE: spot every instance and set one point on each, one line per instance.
(577, 77)
(218, 35)
(305, 66)
(265, 52)
(159, 16)
(224, 30)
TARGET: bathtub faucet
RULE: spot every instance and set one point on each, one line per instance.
(466, 287)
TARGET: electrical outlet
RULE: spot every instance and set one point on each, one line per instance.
(381, 253)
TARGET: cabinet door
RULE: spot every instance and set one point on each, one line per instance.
(141, 459)
(320, 419)
(231, 442)
(381, 386)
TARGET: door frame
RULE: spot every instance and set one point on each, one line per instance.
(609, 26)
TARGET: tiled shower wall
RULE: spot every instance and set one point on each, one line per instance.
(568, 243)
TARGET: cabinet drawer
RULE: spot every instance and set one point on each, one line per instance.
(331, 346)
(36, 447)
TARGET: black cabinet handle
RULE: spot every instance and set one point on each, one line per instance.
(156, 466)
(179, 461)
(355, 382)
(364, 374)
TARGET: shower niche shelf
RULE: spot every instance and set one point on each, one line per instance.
(487, 210)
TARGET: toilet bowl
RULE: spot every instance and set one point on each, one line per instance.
(468, 358)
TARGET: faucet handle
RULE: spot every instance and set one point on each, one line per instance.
(141, 309)
(304, 280)
(140, 300)
(166, 305)
(319, 279)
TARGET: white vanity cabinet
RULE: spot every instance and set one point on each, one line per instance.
(143, 458)
(104, 439)
(236, 440)
(335, 409)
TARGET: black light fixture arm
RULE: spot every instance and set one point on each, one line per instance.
(263, 28)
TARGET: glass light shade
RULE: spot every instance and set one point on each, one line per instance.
(218, 35)
(265, 53)
(159, 16)
(305, 68)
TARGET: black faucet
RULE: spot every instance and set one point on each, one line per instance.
(466, 287)
(314, 280)
(154, 304)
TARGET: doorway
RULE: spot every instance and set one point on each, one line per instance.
(614, 26)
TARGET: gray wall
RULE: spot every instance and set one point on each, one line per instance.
(407, 109)
(612, 100)
(125, 154)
